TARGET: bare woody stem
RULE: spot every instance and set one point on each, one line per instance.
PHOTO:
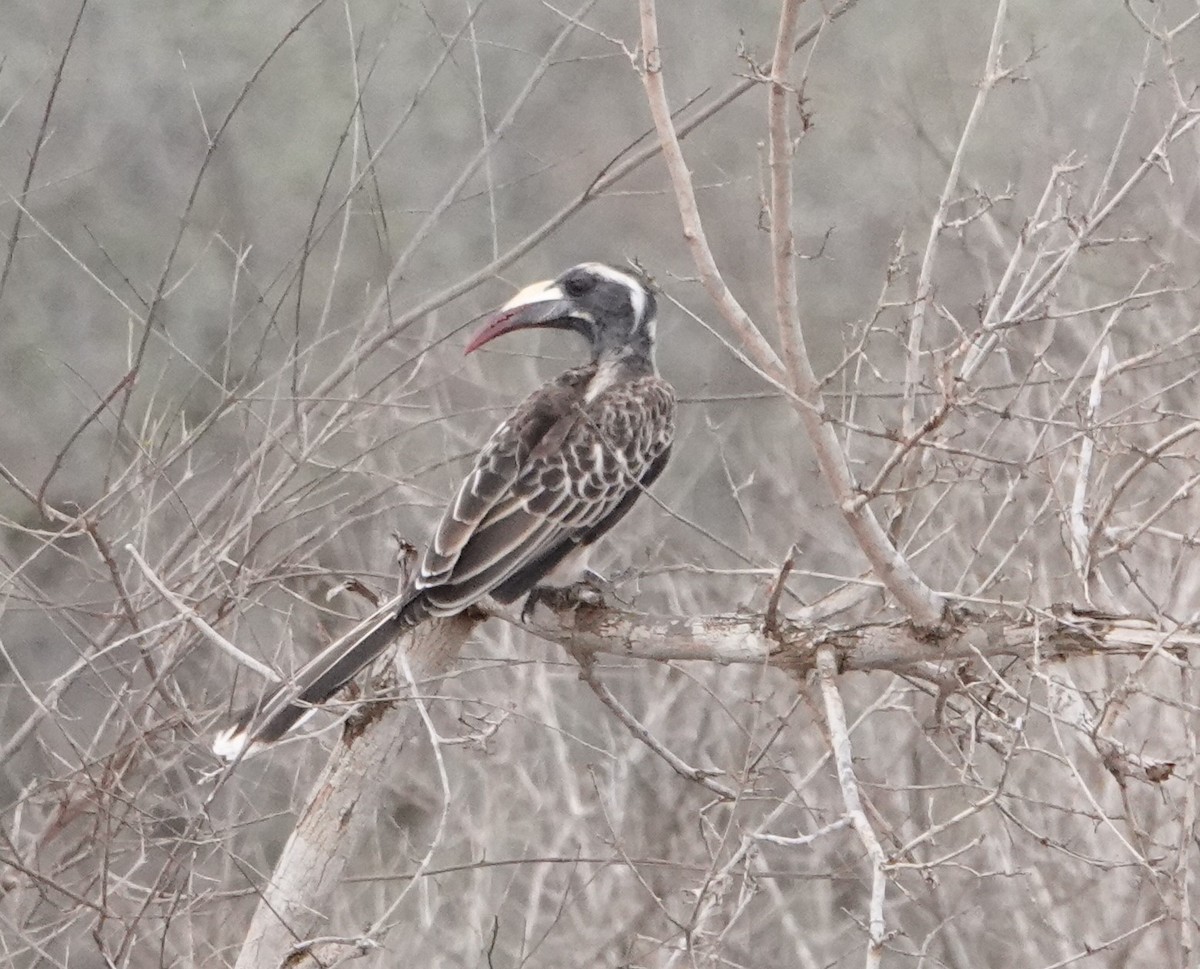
(755, 344)
(744, 638)
(843, 755)
(287, 922)
(992, 73)
(920, 602)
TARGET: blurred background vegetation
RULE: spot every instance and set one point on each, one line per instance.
(233, 185)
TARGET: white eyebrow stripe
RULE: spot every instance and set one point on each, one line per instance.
(637, 292)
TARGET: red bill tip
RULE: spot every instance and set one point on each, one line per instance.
(497, 325)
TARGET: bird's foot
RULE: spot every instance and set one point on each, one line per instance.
(589, 592)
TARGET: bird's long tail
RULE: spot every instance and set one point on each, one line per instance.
(294, 700)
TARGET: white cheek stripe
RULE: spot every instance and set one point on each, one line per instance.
(637, 293)
(541, 292)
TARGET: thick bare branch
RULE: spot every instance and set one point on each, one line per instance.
(868, 646)
(288, 922)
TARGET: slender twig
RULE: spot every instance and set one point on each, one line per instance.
(434, 216)
(63, 451)
(43, 133)
(1090, 951)
(1077, 516)
(992, 74)
(207, 631)
(1068, 707)
(1146, 459)
(435, 739)
(843, 754)
(216, 141)
(802, 840)
(587, 673)
(771, 621)
(1184, 873)
(1037, 287)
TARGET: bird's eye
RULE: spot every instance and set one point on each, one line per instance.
(578, 283)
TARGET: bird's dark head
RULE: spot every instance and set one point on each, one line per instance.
(613, 309)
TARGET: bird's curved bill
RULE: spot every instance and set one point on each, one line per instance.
(539, 304)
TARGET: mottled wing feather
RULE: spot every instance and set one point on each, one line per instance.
(456, 594)
(521, 581)
(626, 503)
(561, 470)
(496, 468)
(495, 540)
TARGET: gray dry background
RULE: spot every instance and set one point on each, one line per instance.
(263, 263)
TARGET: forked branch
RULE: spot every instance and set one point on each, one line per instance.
(795, 371)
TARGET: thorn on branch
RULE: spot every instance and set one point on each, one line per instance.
(756, 71)
(807, 118)
(771, 619)
(821, 250)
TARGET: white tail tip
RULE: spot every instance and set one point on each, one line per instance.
(233, 743)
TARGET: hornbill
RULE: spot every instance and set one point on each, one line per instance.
(563, 469)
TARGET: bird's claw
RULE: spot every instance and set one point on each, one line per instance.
(564, 598)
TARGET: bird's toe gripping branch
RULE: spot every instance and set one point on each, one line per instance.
(586, 594)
